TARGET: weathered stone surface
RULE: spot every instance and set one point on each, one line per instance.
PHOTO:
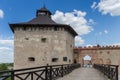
(99, 55)
(58, 44)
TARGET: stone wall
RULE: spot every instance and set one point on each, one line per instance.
(99, 54)
(35, 47)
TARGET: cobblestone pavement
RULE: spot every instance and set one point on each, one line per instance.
(84, 74)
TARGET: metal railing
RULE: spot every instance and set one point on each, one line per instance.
(50, 72)
(111, 71)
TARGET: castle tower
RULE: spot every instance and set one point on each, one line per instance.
(42, 41)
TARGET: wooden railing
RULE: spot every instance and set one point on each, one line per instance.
(111, 71)
(50, 72)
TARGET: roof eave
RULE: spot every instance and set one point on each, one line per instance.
(70, 29)
(11, 27)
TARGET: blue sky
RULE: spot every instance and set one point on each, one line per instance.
(96, 21)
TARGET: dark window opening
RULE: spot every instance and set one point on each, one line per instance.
(31, 59)
(69, 60)
(55, 28)
(54, 59)
(43, 59)
(108, 52)
(41, 28)
(24, 29)
(101, 52)
(64, 58)
(75, 52)
(75, 61)
(43, 39)
(26, 38)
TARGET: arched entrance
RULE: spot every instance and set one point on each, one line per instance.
(86, 62)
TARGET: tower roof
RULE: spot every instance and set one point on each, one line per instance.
(43, 18)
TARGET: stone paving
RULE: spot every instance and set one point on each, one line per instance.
(84, 74)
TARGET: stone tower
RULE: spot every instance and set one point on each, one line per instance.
(42, 41)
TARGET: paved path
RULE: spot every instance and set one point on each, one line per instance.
(84, 74)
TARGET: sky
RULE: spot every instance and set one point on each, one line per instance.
(95, 21)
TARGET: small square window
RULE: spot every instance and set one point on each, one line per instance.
(55, 28)
(75, 52)
(26, 38)
(31, 59)
(108, 52)
(43, 39)
(24, 28)
(54, 59)
(101, 52)
(64, 58)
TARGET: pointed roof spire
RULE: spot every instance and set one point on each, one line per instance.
(44, 5)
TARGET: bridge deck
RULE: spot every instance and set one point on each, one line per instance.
(84, 74)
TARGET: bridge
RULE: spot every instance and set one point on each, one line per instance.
(97, 72)
(85, 74)
(63, 72)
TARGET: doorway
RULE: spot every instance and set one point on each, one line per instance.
(87, 61)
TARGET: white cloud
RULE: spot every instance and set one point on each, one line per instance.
(102, 33)
(111, 7)
(5, 48)
(94, 5)
(76, 20)
(106, 31)
(116, 44)
(1, 13)
(6, 57)
(91, 21)
(7, 42)
(78, 41)
(6, 51)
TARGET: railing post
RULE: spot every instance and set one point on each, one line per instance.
(51, 73)
(46, 72)
(12, 75)
(116, 72)
(31, 76)
(109, 72)
(61, 70)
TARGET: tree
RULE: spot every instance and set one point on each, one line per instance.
(3, 67)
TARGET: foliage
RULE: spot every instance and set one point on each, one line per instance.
(9, 78)
(4, 66)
